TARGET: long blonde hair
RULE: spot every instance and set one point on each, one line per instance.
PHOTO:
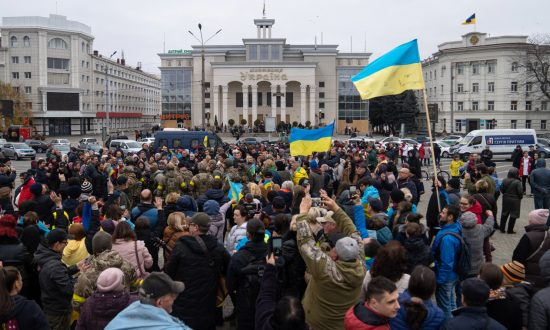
(178, 222)
(254, 189)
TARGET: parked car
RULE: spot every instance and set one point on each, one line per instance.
(18, 151)
(95, 148)
(56, 142)
(249, 141)
(411, 142)
(88, 141)
(362, 139)
(445, 148)
(37, 145)
(62, 148)
(543, 147)
(452, 139)
(127, 146)
(150, 141)
(117, 137)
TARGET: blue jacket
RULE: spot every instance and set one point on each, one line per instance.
(448, 247)
(145, 210)
(371, 191)
(433, 321)
(391, 211)
(141, 316)
(360, 220)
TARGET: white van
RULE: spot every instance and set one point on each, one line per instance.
(501, 142)
(127, 146)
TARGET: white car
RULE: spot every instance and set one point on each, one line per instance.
(361, 139)
(59, 142)
(149, 141)
(445, 148)
(452, 139)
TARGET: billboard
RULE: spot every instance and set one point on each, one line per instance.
(496, 140)
(6, 108)
(63, 101)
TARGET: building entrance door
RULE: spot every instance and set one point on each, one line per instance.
(59, 126)
(473, 125)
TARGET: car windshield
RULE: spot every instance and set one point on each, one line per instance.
(21, 146)
(94, 147)
(466, 139)
(133, 145)
(543, 142)
(62, 148)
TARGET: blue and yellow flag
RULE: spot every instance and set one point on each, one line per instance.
(392, 73)
(470, 20)
(205, 142)
(235, 190)
(304, 142)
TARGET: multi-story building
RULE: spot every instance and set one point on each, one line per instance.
(264, 77)
(51, 60)
(479, 83)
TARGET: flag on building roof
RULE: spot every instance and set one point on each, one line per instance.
(470, 20)
(392, 73)
(304, 142)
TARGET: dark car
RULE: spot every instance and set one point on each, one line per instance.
(38, 146)
(248, 141)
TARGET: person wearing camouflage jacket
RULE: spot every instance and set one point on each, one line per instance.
(201, 182)
(171, 182)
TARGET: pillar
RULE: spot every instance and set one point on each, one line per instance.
(245, 104)
(312, 105)
(216, 105)
(224, 104)
(269, 32)
(273, 101)
(254, 104)
(303, 104)
(283, 103)
(258, 34)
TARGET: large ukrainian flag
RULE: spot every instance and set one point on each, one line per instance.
(304, 142)
(392, 73)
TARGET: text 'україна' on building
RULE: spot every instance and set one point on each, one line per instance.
(51, 59)
(264, 77)
(482, 82)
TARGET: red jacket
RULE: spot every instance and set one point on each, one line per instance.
(528, 166)
(25, 193)
(421, 151)
(361, 317)
(476, 209)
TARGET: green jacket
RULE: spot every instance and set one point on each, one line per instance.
(471, 187)
(334, 285)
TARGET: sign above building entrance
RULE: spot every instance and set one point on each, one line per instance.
(268, 74)
(179, 51)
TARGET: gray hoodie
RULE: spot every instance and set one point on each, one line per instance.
(474, 234)
(540, 179)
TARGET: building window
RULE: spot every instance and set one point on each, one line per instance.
(544, 105)
(435, 91)
(27, 75)
(253, 52)
(491, 67)
(460, 68)
(514, 86)
(491, 105)
(475, 105)
(289, 99)
(460, 106)
(475, 68)
(514, 66)
(268, 99)
(528, 105)
(529, 87)
(513, 124)
(321, 84)
(15, 89)
(15, 59)
(528, 123)
(430, 93)
(458, 125)
(460, 88)
(207, 95)
(475, 88)
(28, 105)
(435, 74)
(275, 53)
(264, 52)
(26, 41)
(13, 41)
(207, 84)
(430, 75)
(57, 43)
(28, 89)
(58, 63)
(543, 124)
(207, 105)
(513, 105)
(321, 105)
(260, 99)
(491, 87)
(15, 75)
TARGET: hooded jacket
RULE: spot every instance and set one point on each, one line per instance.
(236, 234)
(187, 205)
(56, 282)
(540, 179)
(446, 246)
(27, 313)
(433, 321)
(540, 304)
(101, 308)
(217, 218)
(527, 245)
(140, 316)
(471, 318)
(212, 194)
(145, 210)
(476, 209)
(361, 317)
(474, 234)
(196, 306)
(418, 252)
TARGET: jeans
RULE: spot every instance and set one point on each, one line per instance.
(541, 201)
(446, 297)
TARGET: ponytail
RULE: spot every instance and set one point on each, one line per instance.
(416, 313)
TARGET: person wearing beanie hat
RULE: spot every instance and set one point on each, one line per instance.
(538, 217)
(513, 272)
(474, 234)
(101, 242)
(198, 259)
(453, 191)
(86, 187)
(111, 279)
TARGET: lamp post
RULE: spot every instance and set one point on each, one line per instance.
(201, 40)
(107, 94)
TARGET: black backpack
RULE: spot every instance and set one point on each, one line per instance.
(463, 264)
(250, 279)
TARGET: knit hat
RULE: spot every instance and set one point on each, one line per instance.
(538, 217)
(514, 271)
(56, 236)
(454, 183)
(111, 279)
(347, 249)
(475, 291)
(7, 226)
(313, 165)
(36, 189)
(101, 242)
(108, 226)
(201, 219)
(86, 187)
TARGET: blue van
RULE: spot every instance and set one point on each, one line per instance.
(191, 140)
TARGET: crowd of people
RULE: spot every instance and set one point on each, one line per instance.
(258, 239)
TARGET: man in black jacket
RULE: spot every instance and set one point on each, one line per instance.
(243, 277)
(56, 281)
(198, 261)
(7, 176)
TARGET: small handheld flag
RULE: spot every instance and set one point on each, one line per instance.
(235, 190)
(205, 142)
(470, 20)
(392, 73)
(304, 142)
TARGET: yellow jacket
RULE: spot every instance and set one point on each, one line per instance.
(298, 174)
(455, 166)
(74, 252)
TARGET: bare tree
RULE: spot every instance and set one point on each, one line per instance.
(536, 65)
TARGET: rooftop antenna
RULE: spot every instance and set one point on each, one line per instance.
(122, 54)
(263, 11)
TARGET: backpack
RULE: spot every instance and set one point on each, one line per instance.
(250, 279)
(171, 183)
(463, 263)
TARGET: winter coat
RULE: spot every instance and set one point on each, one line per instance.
(446, 247)
(334, 286)
(361, 317)
(196, 305)
(25, 192)
(74, 252)
(539, 313)
(127, 250)
(44, 208)
(521, 293)
(527, 245)
(27, 313)
(432, 213)
(217, 218)
(101, 308)
(245, 310)
(267, 299)
(56, 282)
(212, 194)
(512, 193)
(474, 234)
(476, 209)
(540, 179)
(145, 210)
(6, 206)
(471, 318)
(140, 316)
(235, 235)
(504, 310)
(31, 237)
(433, 321)
(454, 197)
(294, 283)
(522, 167)
(418, 252)
(171, 237)
(487, 202)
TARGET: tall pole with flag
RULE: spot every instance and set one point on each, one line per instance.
(393, 73)
(471, 20)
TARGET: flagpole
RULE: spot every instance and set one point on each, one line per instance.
(428, 124)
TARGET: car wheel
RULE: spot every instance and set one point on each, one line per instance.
(39, 150)
(445, 154)
(17, 157)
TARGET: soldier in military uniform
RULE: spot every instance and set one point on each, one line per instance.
(200, 183)
(134, 185)
(172, 181)
(187, 176)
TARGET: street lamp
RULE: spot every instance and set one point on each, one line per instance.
(107, 94)
(201, 40)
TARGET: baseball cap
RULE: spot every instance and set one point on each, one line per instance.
(475, 291)
(347, 249)
(201, 219)
(159, 284)
(56, 235)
